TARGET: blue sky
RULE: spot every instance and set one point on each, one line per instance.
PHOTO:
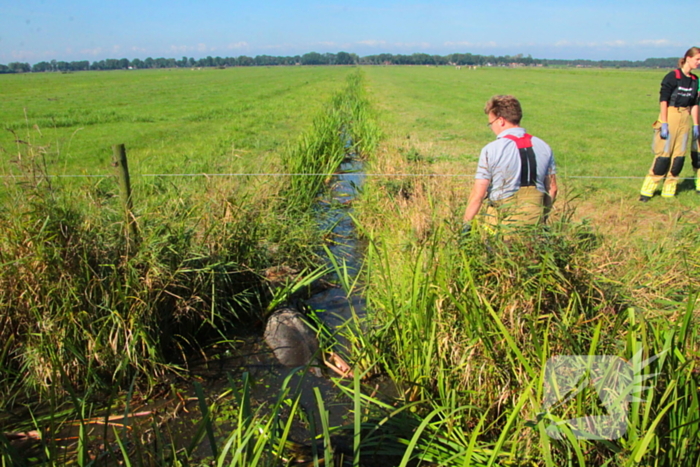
(36, 30)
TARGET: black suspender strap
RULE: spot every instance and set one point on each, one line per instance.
(674, 95)
(528, 162)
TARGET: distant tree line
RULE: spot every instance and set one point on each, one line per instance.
(341, 58)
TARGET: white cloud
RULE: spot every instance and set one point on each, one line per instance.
(412, 45)
(399, 45)
(617, 44)
(471, 44)
(657, 43)
(373, 43)
(181, 49)
(26, 56)
(238, 45)
(277, 47)
(94, 51)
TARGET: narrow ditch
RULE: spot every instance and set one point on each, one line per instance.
(332, 306)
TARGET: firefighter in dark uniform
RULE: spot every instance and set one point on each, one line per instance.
(676, 130)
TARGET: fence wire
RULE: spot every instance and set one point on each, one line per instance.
(559, 175)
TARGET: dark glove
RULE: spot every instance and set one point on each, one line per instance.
(465, 234)
(664, 131)
(696, 132)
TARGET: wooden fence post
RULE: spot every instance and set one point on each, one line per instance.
(122, 167)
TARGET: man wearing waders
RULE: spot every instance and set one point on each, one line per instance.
(676, 129)
(516, 172)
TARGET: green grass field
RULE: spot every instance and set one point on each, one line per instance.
(598, 123)
(172, 121)
(182, 121)
(195, 260)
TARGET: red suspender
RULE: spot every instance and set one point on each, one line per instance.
(678, 75)
(528, 162)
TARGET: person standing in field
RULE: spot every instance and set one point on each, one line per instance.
(516, 172)
(676, 129)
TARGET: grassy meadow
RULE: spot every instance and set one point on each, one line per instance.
(172, 121)
(87, 303)
(463, 327)
(466, 326)
(598, 123)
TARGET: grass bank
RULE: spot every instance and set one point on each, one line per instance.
(84, 304)
(468, 329)
(89, 310)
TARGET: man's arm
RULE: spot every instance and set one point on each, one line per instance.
(550, 185)
(476, 197)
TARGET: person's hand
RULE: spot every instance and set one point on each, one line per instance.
(696, 131)
(465, 232)
(664, 131)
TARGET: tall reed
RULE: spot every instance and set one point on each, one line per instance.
(468, 328)
(77, 297)
(344, 127)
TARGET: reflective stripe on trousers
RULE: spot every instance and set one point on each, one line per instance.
(676, 145)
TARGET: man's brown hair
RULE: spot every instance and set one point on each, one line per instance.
(507, 107)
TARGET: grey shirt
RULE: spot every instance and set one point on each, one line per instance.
(499, 162)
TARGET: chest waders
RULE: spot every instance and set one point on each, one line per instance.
(526, 206)
(669, 153)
